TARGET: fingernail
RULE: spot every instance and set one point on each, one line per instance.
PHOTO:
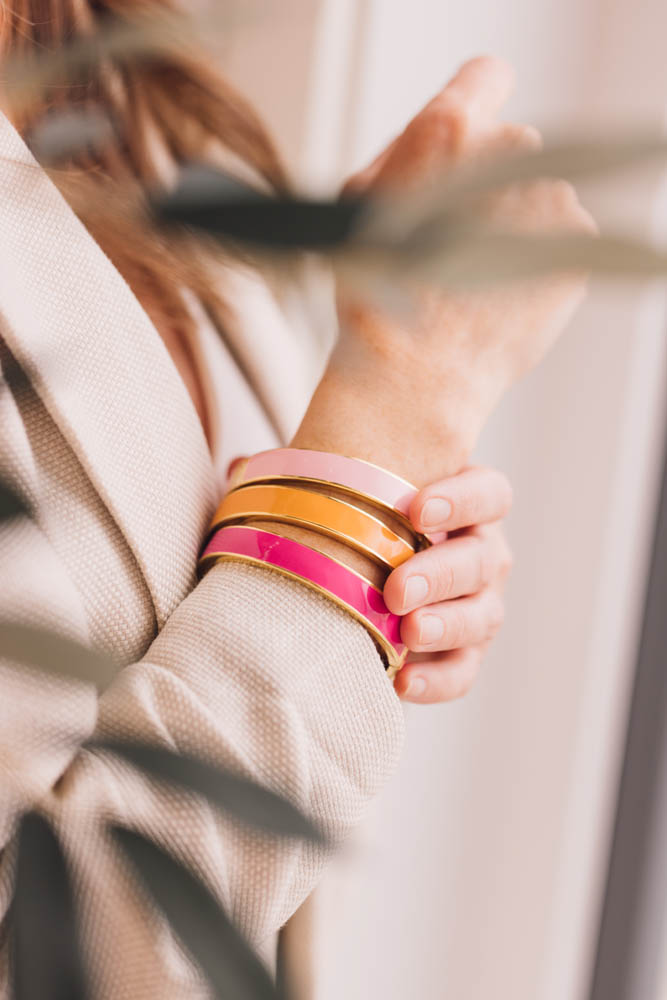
(415, 592)
(431, 629)
(415, 688)
(436, 511)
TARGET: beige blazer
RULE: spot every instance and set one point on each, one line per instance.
(245, 668)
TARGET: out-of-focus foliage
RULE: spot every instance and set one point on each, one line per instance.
(45, 952)
(212, 202)
(47, 960)
(58, 137)
(11, 504)
(244, 799)
(46, 956)
(54, 654)
(434, 236)
(139, 35)
(197, 918)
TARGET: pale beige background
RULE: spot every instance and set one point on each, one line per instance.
(480, 873)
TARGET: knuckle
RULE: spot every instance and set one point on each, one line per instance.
(586, 221)
(458, 688)
(445, 581)
(495, 615)
(456, 628)
(447, 117)
(464, 679)
(506, 559)
(462, 687)
(532, 136)
(507, 494)
(468, 507)
(485, 563)
(448, 107)
(564, 194)
(521, 137)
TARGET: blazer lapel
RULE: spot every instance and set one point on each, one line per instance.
(104, 375)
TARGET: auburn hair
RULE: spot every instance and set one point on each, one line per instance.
(172, 107)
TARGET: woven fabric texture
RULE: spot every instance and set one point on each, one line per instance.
(246, 669)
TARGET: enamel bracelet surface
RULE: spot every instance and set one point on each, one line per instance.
(326, 515)
(353, 474)
(321, 573)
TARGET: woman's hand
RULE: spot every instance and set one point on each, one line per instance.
(450, 594)
(413, 395)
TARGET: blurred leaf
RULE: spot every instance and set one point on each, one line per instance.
(54, 654)
(441, 201)
(574, 160)
(14, 378)
(62, 135)
(242, 798)
(46, 958)
(199, 921)
(213, 202)
(489, 256)
(25, 78)
(11, 504)
(141, 37)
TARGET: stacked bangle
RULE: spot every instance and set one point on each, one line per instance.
(347, 588)
(298, 487)
(326, 515)
(354, 476)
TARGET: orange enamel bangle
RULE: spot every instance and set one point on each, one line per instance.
(326, 515)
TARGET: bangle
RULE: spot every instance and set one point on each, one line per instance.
(352, 475)
(347, 588)
(327, 515)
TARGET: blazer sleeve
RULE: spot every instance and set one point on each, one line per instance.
(253, 672)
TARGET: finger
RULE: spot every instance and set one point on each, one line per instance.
(365, 178)
(465, 86)
(476, 496)
(489, 142)
(466, 621)
(441, 678)
(512, 137)
(482, 86)
(455, 568)
(444, 127)
(495, 140)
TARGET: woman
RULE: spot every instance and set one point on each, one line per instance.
(117, 444)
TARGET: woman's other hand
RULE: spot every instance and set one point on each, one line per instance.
(451, 594)
(413, 395)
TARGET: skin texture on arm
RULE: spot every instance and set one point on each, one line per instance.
(356, 411)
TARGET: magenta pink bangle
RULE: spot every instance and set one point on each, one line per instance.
(353, 474)
(344, 586)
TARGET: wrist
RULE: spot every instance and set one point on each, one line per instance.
(367, 412)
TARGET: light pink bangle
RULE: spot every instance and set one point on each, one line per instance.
(352, 474)
(344, 586)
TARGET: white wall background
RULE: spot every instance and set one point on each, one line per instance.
(481, 870)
